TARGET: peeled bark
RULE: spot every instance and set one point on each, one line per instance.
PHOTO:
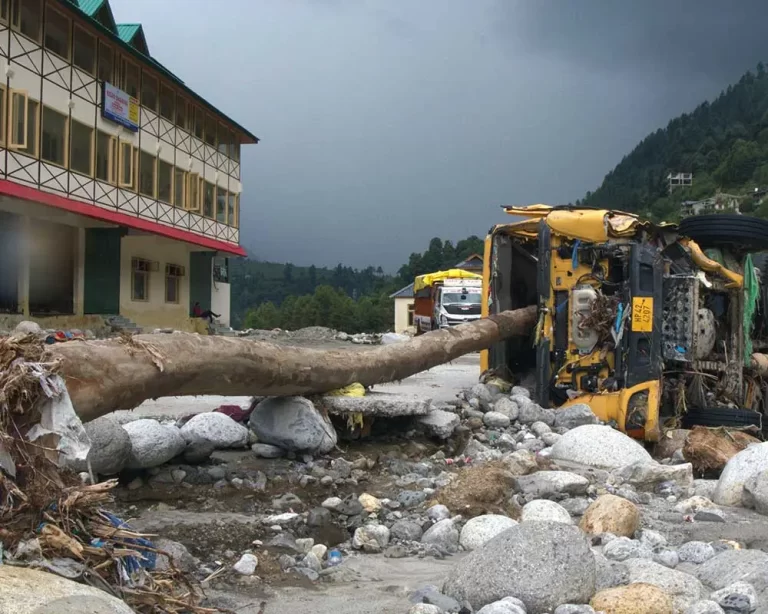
(103, 376)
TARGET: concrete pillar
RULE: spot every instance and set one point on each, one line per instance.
(24, 249)
(78, 294)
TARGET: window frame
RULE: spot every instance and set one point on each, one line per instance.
(171, 191)
(199, 122)
(144, 273)
(16, 20)
(154, 174)
(210, 119)
(36, 117)
(206, 184)
(232, 200)
(68, 57)
(222, 129)
(181, 103)
(94, 68)
(65, 143)
(174, 273)
(218, 192)
(113, 167)
(6, 19)
(148, 76)
(121, 146)
(4, 114)
(125, 62)
(12, 143)
(180, 182)
(111, 62)
(194, 201)
(91, 153)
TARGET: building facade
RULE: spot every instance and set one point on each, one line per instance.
(405, 303)
(120, 187)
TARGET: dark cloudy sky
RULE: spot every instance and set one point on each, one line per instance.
(388, 122)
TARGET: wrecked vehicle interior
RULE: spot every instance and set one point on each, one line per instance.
(649, 324)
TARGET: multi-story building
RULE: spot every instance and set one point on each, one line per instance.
(119, 186)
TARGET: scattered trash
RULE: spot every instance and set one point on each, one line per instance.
(334, 558)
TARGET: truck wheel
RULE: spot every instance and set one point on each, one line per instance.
(722, 416)
(726, 229)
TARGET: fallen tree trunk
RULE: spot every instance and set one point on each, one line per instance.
(103, 376)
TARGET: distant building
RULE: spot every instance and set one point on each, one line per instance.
(716, 204)
(404, 306)
(119, 185)
(473, 263)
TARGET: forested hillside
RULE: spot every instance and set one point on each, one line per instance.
(724, 143)
(271, 295)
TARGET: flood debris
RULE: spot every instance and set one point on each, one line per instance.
(49, 518)
(710, 449)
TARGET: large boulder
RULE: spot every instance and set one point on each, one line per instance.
(595, 445)
(292, 423)
(575, 415)
(110, 447)
(216, 428)
(28, 591)
(439, 423)
(671, 441)
(646, 476)
(480, 529)
(611, 514)
(755, 493)
(637, 598)
(152, 443)
(543, 564)
(443, 535)
(732, 566)
(682, 587)
(550, 483)
(741, 467)
(545, 510)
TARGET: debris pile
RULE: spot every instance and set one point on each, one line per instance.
(50, 519)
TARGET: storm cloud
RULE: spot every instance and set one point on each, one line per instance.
(385, 123)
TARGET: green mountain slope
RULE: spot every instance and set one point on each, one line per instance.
(723, 143)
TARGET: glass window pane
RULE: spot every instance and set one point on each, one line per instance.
(178, 187)
(147, 174)
(231, 205)
(103, 145)
(3, 97)
(221, 205)
(149, 91)
(81, 143)
(164, 181)
(105, 63)
(210, 130)
(199, 121)
(33, 117)
(4, 6)
(130, 78)
(208, 197)
(166, 102)
(54, 137)
(181, 112)
(31, 13)
(193, 198)
(126, 164)
(223, 140)
(56, 33)
(84, 50)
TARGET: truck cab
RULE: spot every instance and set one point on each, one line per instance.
(446, 298)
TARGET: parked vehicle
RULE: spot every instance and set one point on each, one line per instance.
(641, 321)
(446, 298)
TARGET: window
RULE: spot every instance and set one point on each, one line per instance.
(106, 157)
(81, 148)
(181, 113)
(54, 144)
(232, 209)
(84, 50)
(166, 102)
(31, 138)
(221, 205)
(5, 6)
(127, 164)
(3, 111)
(164, 181)
(148, 91)
(130, 74)
(173, 275)
(193, 191)
(234, 150)
(411, 311)
(56, 32)
(199, 121)
(221, 270)
(179, 187)
(209, 191)
(18, 119)
(147, 173)
(27, 18)
(140, 270)
(223, 140)
(105, 63)
(210, 130)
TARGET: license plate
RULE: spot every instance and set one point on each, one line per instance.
(642, 314)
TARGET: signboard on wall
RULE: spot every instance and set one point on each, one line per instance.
(117, 106)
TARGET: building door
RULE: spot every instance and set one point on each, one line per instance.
(200, 271)
(10, 246)
(102, 271)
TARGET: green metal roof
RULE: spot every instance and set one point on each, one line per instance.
(126, 31)
(124, 34)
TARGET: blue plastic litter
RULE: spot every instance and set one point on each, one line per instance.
(619, 317)
(334, 558)
(148, 559)
(575, 255)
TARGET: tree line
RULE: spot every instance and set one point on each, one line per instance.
(724, 143)
(269, 295)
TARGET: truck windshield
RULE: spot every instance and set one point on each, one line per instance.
(450, 298)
